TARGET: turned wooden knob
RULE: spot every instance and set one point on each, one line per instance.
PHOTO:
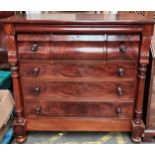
(122, 48)
(36, 91)
(120, 72)
(35, 71)
(118, 110)
(34, 47)
(38, 110)
(119, 91)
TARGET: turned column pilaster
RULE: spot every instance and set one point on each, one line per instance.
(137, 123)
(20, 122)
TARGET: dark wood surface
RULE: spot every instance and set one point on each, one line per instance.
(149, 100)
(48, 108)
(3, 51)
(78, 72)
(78, 90)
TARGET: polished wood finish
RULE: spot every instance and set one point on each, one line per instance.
(84, 70)
(78, 72)
(149, 103)
(3, 51)
(20, 121)
(78, 124)
(78, 90)
(48, 108)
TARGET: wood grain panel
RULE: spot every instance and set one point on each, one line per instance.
(78, 124)
(78, 90)
(42, 52)
(89, 70)
(33, 37)
(78, 37)
(78, 50)
(119, 37)
(151, 110)
(47, 108)
(131, 51)
(91, 29)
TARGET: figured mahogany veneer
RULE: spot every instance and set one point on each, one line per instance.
(57, 46)
(93, 70)
(34, 50)
(78, 73)
(75, 89)
(122, 50)
(48, 108)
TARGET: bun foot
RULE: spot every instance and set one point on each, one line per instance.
(136, 140)
(21, 139)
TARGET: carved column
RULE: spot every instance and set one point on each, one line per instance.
(19, 122)
(137, 123)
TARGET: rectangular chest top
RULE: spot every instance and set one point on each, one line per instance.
(77, 18)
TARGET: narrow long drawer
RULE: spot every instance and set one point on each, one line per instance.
(78, 90)
(89, 70)
(47, 108)
(78, 47)
(33, 37)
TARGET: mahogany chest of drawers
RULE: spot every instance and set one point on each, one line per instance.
(77, 72)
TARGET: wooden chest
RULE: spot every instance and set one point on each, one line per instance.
(78, 72)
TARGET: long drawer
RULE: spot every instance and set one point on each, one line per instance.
(79, 90)
(89, 70)
(78, 46)
(48, 108)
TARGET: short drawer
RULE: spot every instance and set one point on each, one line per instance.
(99, 70)
(78, 50)
(34, 50)
(48, 108)
(122, 50)
(78, 90)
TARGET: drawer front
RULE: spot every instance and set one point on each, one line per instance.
(34, 50)
(78, 109)
(33, 37)
(78, 90)
(122, 51)
(120, 37)
(99, 70)
(78, 47)
(78, 50)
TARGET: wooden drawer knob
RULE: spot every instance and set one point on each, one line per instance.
(34, 47)
(118, 110)
(122, 48)
(38, 110)
(35, 71)
(36, 91)
(120, 72)
(119, 91)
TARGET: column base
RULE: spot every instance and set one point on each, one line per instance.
(137, 132)
(20, 131)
